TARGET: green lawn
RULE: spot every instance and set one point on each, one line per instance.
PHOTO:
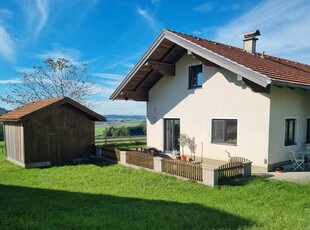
(109, 196)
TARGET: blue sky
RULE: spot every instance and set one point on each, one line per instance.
(111, 35)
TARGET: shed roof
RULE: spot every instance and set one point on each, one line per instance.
(26, 112)
(170, 46)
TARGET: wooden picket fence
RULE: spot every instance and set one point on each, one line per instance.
(185, 169)
(230, 169)
(139, 158)
(239, 159)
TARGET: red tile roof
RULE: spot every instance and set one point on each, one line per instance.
(29, 109)
(277, 69)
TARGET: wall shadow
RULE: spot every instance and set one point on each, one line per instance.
(33, 208)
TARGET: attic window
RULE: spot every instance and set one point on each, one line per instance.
(195, 77)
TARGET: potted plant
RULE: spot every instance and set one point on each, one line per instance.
(280, 169)
(183, 141)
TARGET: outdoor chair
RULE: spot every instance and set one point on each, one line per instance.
(296, 162)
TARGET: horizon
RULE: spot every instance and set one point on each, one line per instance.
(112, 36)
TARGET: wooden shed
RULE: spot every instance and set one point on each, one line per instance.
(49, 132)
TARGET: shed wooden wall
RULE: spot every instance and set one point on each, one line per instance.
(58, 135)
(14, 141)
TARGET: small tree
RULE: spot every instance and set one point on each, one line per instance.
(58, 77)
(192, 146)
(183, 141)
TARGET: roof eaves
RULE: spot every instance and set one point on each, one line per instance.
(57, 103)
(233, 66)
(139, 64)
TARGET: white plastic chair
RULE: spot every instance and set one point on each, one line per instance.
(297, 162)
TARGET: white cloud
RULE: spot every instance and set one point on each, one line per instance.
(155, 1)
(206, 7)
(108, 81)
(42, 6)
(109, 76)
(8, 81)
(72, 54)
(36, 16)
(7, 45)
(5, 13)
(152, 22)
(284, 27)
(122, 107)
(121, 63)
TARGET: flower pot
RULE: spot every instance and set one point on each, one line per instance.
(183, 158)
(280, 170)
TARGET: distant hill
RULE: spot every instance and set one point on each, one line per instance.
(123, 117)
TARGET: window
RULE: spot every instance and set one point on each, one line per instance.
(195, 76)
(308, 131)
(290, 132)
(171, 133)
(224, 131)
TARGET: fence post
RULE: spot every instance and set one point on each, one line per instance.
(98, 151)
(158, 164)
(210, 176)
(247, 169)
(122, 156)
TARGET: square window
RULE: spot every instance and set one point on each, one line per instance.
(195, 76)
(224, 131)
(290, 132)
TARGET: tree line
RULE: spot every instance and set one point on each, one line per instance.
(122, 131)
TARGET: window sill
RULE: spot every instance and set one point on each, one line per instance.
(196, 87)
(289, 144)
(224, 143)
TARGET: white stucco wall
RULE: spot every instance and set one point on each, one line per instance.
(287, 103)
(221, 96)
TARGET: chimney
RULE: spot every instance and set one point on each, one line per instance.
(249, 41)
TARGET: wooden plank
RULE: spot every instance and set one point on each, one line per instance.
(137, 96)
(182, 169)
(163, 68)
(14, 141)
(230, 169)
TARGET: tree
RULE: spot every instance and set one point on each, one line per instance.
(58, 77)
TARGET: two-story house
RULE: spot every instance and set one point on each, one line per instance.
(250, 104)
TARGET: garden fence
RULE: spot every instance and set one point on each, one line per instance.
(230, 169)
(185, 169)
(120, 140)
(139, 158)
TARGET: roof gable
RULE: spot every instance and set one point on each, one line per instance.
(26, 112)
(170, 46)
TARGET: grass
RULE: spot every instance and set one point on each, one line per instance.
(125, 146)
(122, 140)
(100, 127)
(102, 195)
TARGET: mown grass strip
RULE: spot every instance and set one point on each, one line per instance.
(101, 195)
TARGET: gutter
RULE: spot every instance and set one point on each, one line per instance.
(290, 85)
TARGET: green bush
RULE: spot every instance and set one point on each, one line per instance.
(126, 131)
